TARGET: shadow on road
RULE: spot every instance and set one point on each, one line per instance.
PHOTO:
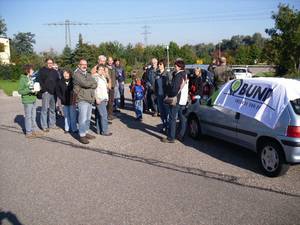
(132, 123)
(226, 152)
(156, 163)
(10, 217)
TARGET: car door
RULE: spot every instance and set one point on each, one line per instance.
(247, 130)
(220, 123)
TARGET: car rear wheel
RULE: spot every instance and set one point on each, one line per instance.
(194, 127)
(271, 159)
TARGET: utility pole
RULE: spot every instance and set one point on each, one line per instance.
(146, 33)
(67, 25)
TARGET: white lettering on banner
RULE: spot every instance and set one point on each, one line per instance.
(263, 99)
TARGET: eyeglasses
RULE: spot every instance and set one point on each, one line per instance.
(81, 64)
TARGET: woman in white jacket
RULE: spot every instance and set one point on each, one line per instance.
(101, 95)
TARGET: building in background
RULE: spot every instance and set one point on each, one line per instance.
(4, 51)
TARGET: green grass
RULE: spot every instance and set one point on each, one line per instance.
(9, 86)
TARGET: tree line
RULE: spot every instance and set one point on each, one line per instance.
(281, 48)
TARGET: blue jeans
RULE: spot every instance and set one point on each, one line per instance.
(163, 110)
(172, 121)
(48, 102)
(102, 122)
(70, 117)
(30, 117)
(84, 117)
(138, 108)
(182, 121)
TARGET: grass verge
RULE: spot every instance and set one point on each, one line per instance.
(9, 86)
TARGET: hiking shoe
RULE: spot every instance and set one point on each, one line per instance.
(30, 136)
(89, 136)
(107, 134)
(84, 140)
(37, 133)
(166, 140)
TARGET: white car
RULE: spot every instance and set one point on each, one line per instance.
(241, 73)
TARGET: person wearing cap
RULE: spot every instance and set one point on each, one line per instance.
(222, 73)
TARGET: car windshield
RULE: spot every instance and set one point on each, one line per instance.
(296, 105)
(239, 71)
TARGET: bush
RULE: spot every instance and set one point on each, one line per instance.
(10, 72)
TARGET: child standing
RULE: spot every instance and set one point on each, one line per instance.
(64, 92)
(138, 93)
(26, 90)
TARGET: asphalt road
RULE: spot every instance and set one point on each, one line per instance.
(133, 178)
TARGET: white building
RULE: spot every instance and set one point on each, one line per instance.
(4, 50)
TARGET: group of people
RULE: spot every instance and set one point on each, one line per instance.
(77, 91)
(159, 91)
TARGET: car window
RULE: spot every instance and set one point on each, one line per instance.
(239, 71)
(296, 106)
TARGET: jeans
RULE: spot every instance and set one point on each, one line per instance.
(172, 121)
(182, 121)
(122, 98)
(116, 103)
(30, 117)
(48, 101)
(138, 108)
(84, 117)
(103, 128)
(111, 96)
(163, 109)
(70, 117)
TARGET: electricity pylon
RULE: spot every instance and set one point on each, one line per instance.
(67, 25)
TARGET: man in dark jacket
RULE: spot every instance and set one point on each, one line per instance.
(150, 82)
(48, 78)
(84, 89)
(111, 87)
(120, 76)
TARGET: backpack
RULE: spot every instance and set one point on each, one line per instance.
(138, 92)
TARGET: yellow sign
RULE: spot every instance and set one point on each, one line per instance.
(199, 61)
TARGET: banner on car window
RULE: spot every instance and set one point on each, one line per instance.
(263, 99)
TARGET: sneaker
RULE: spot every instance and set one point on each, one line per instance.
(37, 133)
(166, 140)
(46, 130)
(107, 134)
(66, 131)
(84, 140)
(30, 136)
(89, 136)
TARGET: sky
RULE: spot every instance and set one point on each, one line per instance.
(184, 21)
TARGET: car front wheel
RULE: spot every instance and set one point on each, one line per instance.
(271, 159)
(194, 127)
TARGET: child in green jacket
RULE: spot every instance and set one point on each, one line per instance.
(26, 89)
